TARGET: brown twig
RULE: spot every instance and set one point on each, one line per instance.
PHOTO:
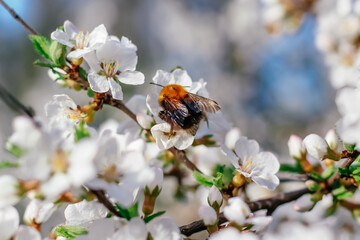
(181, 157)
(106, 202)
(14, 103)
(351, 158)
(269, 203)
(18, 18)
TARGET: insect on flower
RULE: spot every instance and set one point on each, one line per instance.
(184, 110)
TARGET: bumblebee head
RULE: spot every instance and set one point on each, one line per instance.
(173, 92)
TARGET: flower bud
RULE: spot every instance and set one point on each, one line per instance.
(316, 146)
(156, 181)
(332, 139)
(77, 62)
(239, 180)
(144, 120)
(296, 148)
(215, 198)
(38, 212)
(152, 190)
(208, 215)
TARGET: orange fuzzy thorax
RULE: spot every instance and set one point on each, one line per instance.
(174, 92)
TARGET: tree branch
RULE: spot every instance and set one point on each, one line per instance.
(106, 202)
(269, 203)
(18, 18)
(14, 103)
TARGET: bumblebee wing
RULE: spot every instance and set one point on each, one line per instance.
(197, 103)
(175, 113)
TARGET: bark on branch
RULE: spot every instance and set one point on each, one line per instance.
(269, 203)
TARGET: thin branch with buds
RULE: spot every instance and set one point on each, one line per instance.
(269, 203)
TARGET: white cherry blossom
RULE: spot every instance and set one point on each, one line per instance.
(260, 167)
(82, 42)
(112, 63)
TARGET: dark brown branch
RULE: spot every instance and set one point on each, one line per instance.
(269, 203)
(18, 18)
(120, 105)
(14, 103)
(181, 156)
(106, 202)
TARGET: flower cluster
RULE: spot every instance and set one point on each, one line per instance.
(112, 181)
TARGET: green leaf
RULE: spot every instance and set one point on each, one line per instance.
(314, 187)
(175, 68)
(344, 171)
(357, 178)
(70, 231)
(14, 150)
(345, 195)
(43, 64)
(208, 181)
(328, 172)
(83, 74)
(152, 216)
(56, 52)
(218, 181)
(341, 193)
(350, 147)
(357, 159)
(6, 164)
(294, 168)
(316, 176)
(129, 212)
(81, 132)
(227, 171)
(41, 45)
(90, 93)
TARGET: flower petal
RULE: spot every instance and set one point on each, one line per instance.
(70, 29)
(132, 77)
(245, 147)
(231, 156)
(115, 89)
(98, 83)
(184, 141)
(97, 37)
(153, 105)
(268, 161)
(78, 53)
(160, 133)
(9, 222)
(163, 78)
(182, 78)
(92, 60)
(269, 181)
(61, 37)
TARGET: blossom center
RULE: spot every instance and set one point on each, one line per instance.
(110, 68)
(59, 161)
(249, 163)
(82, 40)
(72, 114)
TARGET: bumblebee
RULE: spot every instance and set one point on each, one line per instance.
(184, 110)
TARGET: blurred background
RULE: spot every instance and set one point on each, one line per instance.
(269, 85)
